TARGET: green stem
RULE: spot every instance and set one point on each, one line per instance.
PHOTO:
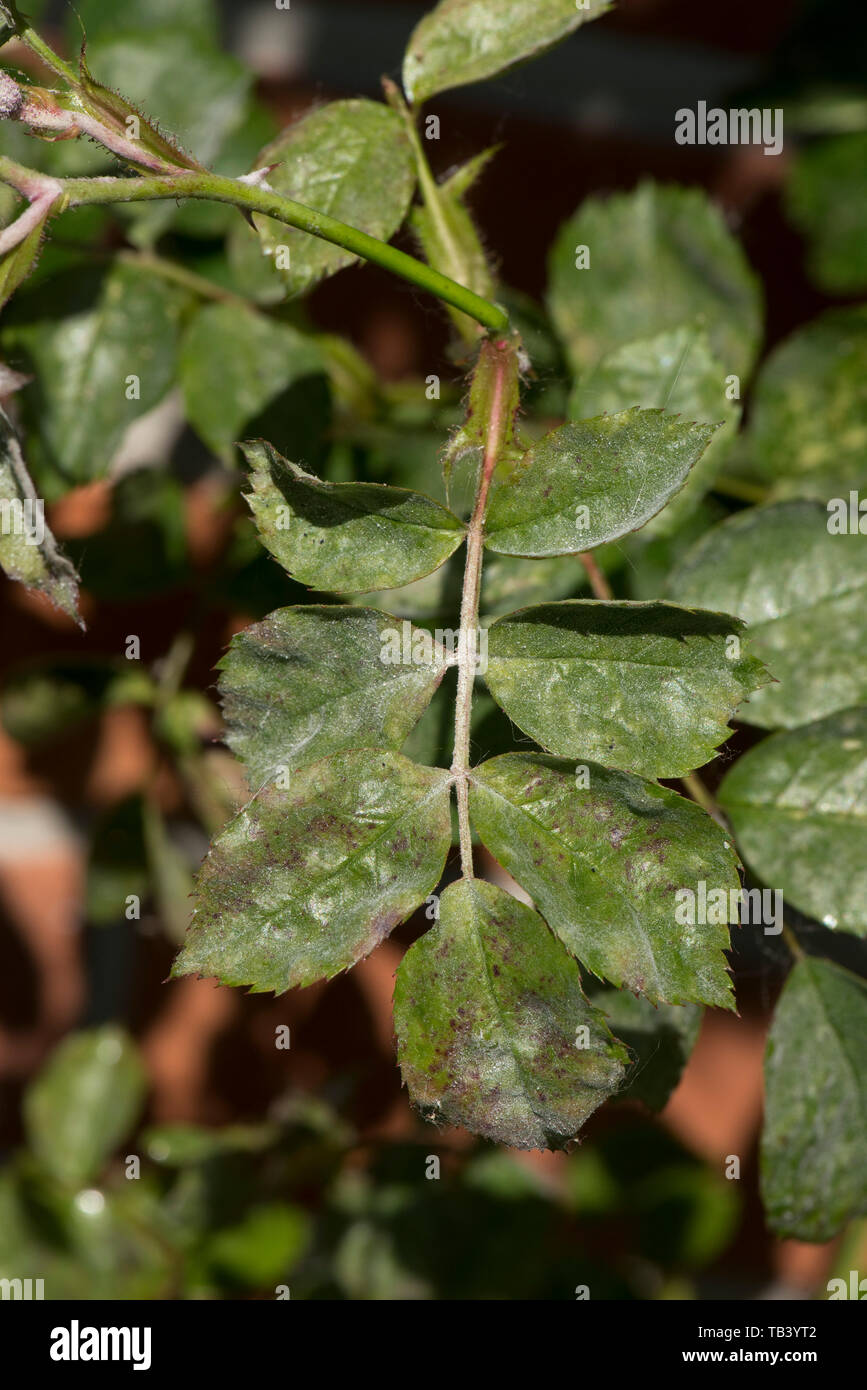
(502, 365)
(455, 259)
(255, 197)
(48, 56)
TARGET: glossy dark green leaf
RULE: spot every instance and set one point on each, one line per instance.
(801, 592)
(349, 159)
(103, 351)
(604, 864)
(815, 1130)
(808, 421)
(494, 1032)
(463, 41)
(798, 806)
(662, 682)
(311, 681)
(591, 481)
(660, 1039)
(233, 364)
(826, 196)
(349, 537)
(28, 550)
(84, 1102)
(306, 881)
(677, 372)
(660, 257)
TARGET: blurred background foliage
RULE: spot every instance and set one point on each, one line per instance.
(301, 1170)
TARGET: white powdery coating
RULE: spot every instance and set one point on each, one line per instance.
(11, 96)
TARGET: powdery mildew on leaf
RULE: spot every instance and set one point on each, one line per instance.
(489, 1014)
(604, 863)
(659, 680)
(306, 881)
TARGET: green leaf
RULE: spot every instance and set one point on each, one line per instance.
(349, 159)
(97, 17)
(349, 537)
(808, 421)
(798, 806)
(826, 198)
(262, 1248)
(84, 336)
(463, 41)
(17, 264)
(311, 681)
(801, 591)
(815, 1131)
(233, 364)
(660, 257)
(604, 863)
(84, 1102)
(304, 882)
(449, 240)
(177, 76)
(591, 481)
(28, 550)
(487, 1009)
(662, 682)
(677, 372)
(660, 1037)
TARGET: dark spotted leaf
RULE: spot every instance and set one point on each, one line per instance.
(306, 682)
(608, 864)
(309, 877)
(349, 537)
(494, 1032)
(662, 681)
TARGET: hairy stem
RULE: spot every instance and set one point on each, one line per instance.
(257, 197)
(457, 262)
(502, 365)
